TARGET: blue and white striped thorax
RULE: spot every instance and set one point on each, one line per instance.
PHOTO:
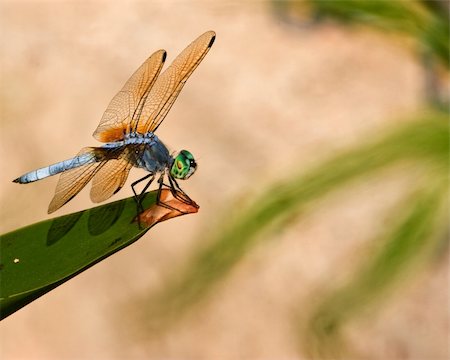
(154, 158)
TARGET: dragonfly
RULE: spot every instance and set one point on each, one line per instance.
(127, 129)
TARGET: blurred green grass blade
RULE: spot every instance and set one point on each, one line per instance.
(407, 16)
(37, 258)
(429, 25)
(425, 140)
(416, 236)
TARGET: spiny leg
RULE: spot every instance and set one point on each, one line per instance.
(174, 193)
(138, 181)
(139, 198)
(158, 196)
(142, 195)
(172, 190)
(174, 187)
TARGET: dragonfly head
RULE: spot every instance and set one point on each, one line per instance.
(183, 166)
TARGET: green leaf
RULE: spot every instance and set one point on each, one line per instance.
(38, 258)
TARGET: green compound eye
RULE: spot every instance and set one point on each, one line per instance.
(183, 165)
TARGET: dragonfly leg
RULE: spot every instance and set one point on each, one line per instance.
(147, 186)
(138, 181)
(172, 190)
(140, 197)
(174, 185)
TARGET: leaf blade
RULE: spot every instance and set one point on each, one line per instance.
(39, 257)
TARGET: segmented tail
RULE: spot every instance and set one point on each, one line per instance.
(77, 161)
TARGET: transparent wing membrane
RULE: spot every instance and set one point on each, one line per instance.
(120, 115)
(169, 84)
(146, 99)
(109, 179)
(71, 182)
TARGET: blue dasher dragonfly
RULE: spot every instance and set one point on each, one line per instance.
(128, 130)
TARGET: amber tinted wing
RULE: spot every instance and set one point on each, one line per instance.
(128, 102)
(71, 182)
(109, 179)
(169, 84)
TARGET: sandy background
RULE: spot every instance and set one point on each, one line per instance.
(267, 97)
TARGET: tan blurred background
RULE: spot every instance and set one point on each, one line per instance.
(268, 98)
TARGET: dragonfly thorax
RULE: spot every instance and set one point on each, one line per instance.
(183, 166)
(138, 138)
(154, 158)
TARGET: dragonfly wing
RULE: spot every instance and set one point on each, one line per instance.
(118, 117)
(169, 84)
(71, 182)
(109, 179)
